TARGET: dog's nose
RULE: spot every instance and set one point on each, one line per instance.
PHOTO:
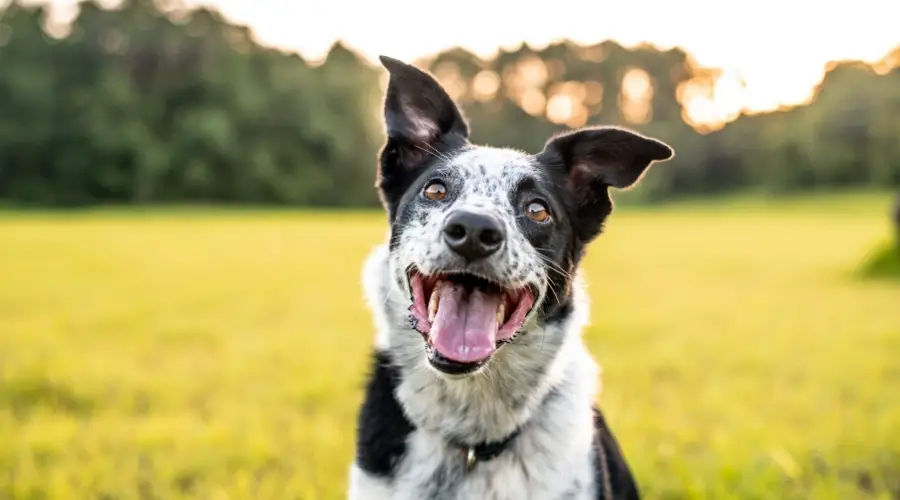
(473, 236)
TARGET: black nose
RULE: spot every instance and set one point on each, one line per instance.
(473, 236)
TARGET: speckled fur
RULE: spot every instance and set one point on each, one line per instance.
(483, 178)
(545, 378)
(416, 422)
(551, 459)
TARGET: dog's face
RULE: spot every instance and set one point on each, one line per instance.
(485, 241)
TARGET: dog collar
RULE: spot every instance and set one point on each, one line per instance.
(483, 452)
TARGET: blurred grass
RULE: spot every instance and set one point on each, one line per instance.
(220, 353)
(883, 263)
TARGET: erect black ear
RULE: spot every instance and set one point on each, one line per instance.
(417, 109)
(596, 158)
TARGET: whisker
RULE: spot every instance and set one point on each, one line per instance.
(555, 295)
(426, 151)
(549, 261)
(437, 153)
(554, 266)
(387, 296)
(432, 151)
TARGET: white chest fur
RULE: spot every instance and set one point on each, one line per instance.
(546, 390)
(550, 459)
(542, 463)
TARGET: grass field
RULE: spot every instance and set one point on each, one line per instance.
(220, 354)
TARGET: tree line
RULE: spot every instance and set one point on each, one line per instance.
(154, 103)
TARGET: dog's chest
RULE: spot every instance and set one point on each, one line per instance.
(434, 470)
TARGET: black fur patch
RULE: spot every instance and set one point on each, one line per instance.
(558, 241)
(593, 159)
(577, 170)
(621, 480)
(382, 427)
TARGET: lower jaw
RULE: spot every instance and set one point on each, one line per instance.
(449, 367)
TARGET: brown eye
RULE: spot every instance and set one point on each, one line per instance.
(538, 212)
(436, 191)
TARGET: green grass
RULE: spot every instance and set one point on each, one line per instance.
(883, 263)
(221, 354)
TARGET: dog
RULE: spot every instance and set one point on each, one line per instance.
(481, 386)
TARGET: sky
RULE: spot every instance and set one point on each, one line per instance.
(778, 48)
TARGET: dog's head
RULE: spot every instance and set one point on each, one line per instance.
(485, 241)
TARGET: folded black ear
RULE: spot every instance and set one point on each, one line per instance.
(422, 121)
(596, 158)
(612, 156)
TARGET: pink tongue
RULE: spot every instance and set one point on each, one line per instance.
(465, 326)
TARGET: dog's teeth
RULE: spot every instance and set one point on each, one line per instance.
(501, 313)
(433, 302)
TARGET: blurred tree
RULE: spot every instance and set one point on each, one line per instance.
(845, 137)
(141, 105)
(152, 102)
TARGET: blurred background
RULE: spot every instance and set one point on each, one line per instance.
(186, 200)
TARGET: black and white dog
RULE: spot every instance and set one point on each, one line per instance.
(481, 385)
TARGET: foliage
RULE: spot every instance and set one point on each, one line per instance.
(883, 263)
(137, 106)
(199, 354)
(844, 138)
(155, 103)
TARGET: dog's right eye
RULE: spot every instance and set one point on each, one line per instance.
(435, 191)
(538, 212)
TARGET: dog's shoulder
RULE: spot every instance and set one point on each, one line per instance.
(613, 476)
(382, 426)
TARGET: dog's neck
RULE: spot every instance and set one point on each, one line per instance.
(494, 403)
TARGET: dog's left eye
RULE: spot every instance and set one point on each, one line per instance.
(537, 212)
(435, 191)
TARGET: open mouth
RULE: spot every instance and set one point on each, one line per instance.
(465, 318)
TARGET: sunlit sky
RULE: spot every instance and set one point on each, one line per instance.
(779, 48)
